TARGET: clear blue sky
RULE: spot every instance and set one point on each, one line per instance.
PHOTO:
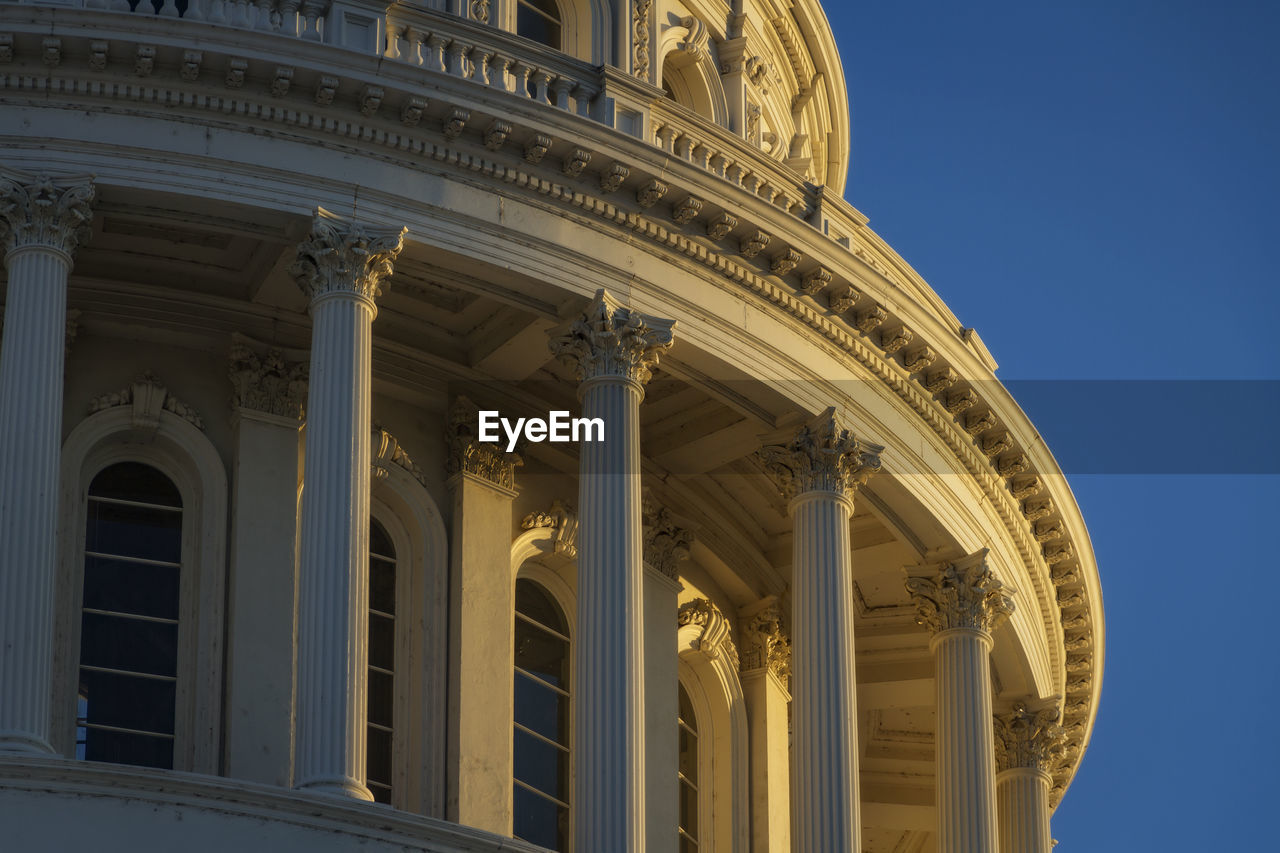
(1094, 187)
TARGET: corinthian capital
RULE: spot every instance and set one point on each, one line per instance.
(44, 211)
(1030, 739)
(339, 256)
(611, 340)
(822, 457)
(469, 455)
(965, 594)
(765, 644)
(268, 383)
(666, 543)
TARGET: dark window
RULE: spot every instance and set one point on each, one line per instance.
(688, 775)
(382, 662)
(539, 20)
(541, 760)
(125, 707)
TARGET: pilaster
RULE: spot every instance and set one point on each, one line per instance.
(766, 672)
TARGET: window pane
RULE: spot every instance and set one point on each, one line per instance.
(136, 588)
(541, 653)
(134, 531)
(382, 585)
(686, 710)
(379, 542)
(133, 481)
(689, 809)
(540, 821)
(128, 644)
(534, 603)
(127, 702)
(541, 765)
(379, 756)
(124, 748)
(541, 709)
(381, 698)
(534, 26)
(382, 641)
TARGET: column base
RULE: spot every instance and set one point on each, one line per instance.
(339, 786)
(23, 743)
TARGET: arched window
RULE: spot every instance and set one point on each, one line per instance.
(688, 775)
(541, 745)
(128, 662)
(379, 752)
(539, 20)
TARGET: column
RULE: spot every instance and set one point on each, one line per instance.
(1028, 747)
(42, 221)
(666, 544)
(268, 392)
(340, 267)
(613, 351)
(961, 605)
(766, 670)
(819, 469)
(481, 642)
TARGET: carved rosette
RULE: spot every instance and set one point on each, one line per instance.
(666, 543)
(269, 383)
(766, 644)
(703, 627)
(822, 457)
(339, 256)
(44, 211)
(1030, 739)
(563, 521)
(610, 340)
(965, 594)
(468, 455)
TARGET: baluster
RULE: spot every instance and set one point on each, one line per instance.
(498, 65)
(169, 9)
(585, 100)
(290, 22)
(540, 81)
(684, 145)
(215, 11)
(395, 41)
(458, 58)
(521, 73)
(413, 46)
(435, 52)
(262, 15)
(562, 86)
(667, 137)
(144, 7)
(311, 10)
(480, 58)
(196, 11)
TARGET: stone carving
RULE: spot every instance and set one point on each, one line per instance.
(148, 398)
(1022, 489)
(269, 383)
(974, 424)
(711, 632)
(1064, 575)
(994, 445)
(893, 341)
(191, 60)
(753, 123)
(766, 644)
(940, 380)
(41, 210)
(6, 47)
(341, 256)
(666, 543)
(719, 228)
(51, 51)
(370, 100)
(411, 112)
(918, 359)
(753, 244)
(869, 319)
(958, 401)
(1070, 599)
(454, 122)
(98, 55)
(640, 33)
(784, 262)
(575, 161)
(687, 210)
(1048, 532)
(815, 281)
(822, 456)
(1075, 622)
(1012, 465)
(326, 88)
(386, 451)
(561, 519)
(650, 193)
(1029, 739)
(281, 81)
(480, 10)
(1036, 510)
(496, 136)
(843, 299)
(1054, 554)
(537, 148)
(612, 340)
(468, 455)
(964, 594)
(611, 178)
(236, 69)
(694, 43)
(145, 61)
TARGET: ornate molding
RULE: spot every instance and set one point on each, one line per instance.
(704, 627)
(1031, 739)
(964, 594)
(640, 32)
(386, 451)
(611, 340)
(563, 521)
(40, 210)
(269, 383)
(766, 644)
(666, 543)
(340, 256)
(148, 398)
(468, 455)
(822, 457)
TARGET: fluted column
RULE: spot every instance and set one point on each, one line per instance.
(961, 605)
(340, 267)
(1028, 747)
(820, 468)
(42, 221)
(613, 351)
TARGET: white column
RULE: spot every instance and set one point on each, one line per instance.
(1028, 747)
(961, 605)
(820, 468)
(340, 268)
(613, 351)
(41, 223)
(267, 398)
(766, 670)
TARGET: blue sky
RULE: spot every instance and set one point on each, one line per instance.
(1093, 186)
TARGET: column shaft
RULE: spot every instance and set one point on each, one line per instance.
(334, 559)
(823, 685)
(1022, 798)
(31, 367)
(965, 742)
(662, 709)
(609, 795)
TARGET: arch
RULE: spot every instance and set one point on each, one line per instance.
(688, 68)
(585, 27)
(708, 670)
(178, 449)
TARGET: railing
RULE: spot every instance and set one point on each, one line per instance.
(299, 18)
